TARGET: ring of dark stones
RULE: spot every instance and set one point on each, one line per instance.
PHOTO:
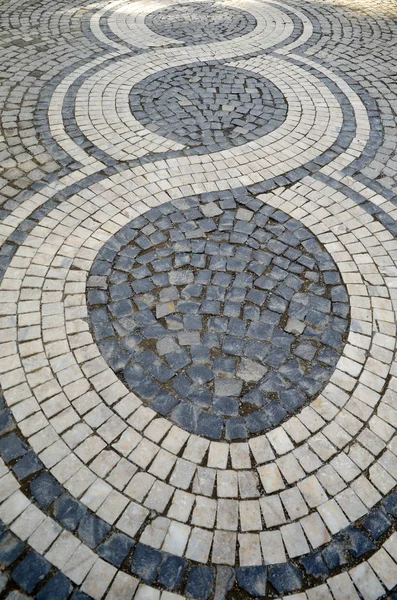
(208, 107)
(200, 22)
(224, 317)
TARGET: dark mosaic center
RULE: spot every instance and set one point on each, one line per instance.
(209, 107)
(200, 22)
(227, 317)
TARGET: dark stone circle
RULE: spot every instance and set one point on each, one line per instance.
(200, 22)
(208, 107)
(164, 325)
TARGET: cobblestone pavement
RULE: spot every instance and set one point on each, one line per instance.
(198, 300)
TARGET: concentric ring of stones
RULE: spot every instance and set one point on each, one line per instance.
(314, 113)
(198, 23)
(192, 450)
(122, 24)
(218, 311)
(314, 497)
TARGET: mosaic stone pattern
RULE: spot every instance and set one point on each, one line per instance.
(209, 107)
(219, 310)
(200, 22)
(198, 282)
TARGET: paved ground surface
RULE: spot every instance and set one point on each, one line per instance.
(198, 300)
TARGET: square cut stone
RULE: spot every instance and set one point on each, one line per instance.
(243, 214)
(189, 338)
(167, 345)
(182, 277)
(228, 387)
(294, 326)
(224, 548)
(164, 309)
(211, 210)
(250, 370)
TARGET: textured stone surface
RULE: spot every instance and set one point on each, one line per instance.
(208, 107)
(198, 23)
(198, 300)
(231, 287)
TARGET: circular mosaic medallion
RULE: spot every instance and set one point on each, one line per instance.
(225, 318)
(209, 107)
(200, 22)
